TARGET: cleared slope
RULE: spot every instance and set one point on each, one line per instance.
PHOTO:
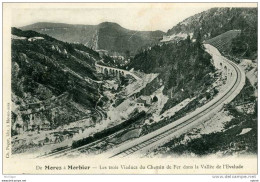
(223, 41)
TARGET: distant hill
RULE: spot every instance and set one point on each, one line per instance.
(105, 36)
(216, 21)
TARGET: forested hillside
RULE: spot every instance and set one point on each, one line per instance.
(216, 21)
(232, 131)
(51, 80)
(183, 68)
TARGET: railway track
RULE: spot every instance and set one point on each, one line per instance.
(160, 136)
(145, 144)
(70, 150)
(96, 140)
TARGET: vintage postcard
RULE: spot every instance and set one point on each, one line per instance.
(130, 88)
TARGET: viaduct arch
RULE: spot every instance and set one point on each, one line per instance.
(114, 71)
(220, 63)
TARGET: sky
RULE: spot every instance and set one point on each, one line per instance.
(141, 16)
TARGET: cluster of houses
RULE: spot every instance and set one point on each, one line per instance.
(45, 139)
(248, 107)
(102, 52)
(52, 138)
(30, 116)
(31, 39)
(31, 122)
(143, 101)
(176, 37)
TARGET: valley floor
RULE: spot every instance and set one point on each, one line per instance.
(119, 102)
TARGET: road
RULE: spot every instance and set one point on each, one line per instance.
(161, 136)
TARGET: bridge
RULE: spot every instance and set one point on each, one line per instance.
(220, 62)
(114, 71)
(235, 77)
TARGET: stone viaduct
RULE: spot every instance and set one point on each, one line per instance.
(114, 71)
(220, 62)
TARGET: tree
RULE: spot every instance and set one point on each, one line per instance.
(127, 53)
(155, 99)
(198, 40)
(188, 39)
(172, 78)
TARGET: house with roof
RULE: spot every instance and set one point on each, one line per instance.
(147, 99)
(32, 39)
(140, 103)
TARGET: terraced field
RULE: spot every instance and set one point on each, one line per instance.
(223, 41)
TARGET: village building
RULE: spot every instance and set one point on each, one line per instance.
(32, 39)
(102, 52)
(140, 103)
(147, 99)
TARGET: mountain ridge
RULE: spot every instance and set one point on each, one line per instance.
(110, 36)
(216, 21)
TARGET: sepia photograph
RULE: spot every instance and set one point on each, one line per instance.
(134, 82)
